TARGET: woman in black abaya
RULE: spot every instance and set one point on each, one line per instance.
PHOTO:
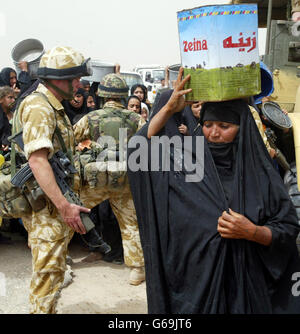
(76, 108)
(8, 77)
(225, 244)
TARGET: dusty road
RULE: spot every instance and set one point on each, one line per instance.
(97, 288)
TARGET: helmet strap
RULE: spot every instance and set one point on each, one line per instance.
(65, 95)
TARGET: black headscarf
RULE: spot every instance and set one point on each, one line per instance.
(89, 109)
(24, 80)
(5, 76)
(5, 129)
(221, 112)
(223, 154)
(75, 114)
(190, 268)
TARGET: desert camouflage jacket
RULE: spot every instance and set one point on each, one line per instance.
(82, 129)
(38, 115)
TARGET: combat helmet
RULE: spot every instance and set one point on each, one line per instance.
(63, 63)
(113, 86)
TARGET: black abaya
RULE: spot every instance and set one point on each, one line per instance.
(190, 268)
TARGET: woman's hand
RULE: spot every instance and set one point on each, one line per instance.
(16, 90)
(175, 104)
(183, 129)
(23, 66)
(233, 225)
(177, 101)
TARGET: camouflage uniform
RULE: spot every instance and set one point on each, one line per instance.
(48, 234)
(295, 6)
(121, 200)
(260, 127)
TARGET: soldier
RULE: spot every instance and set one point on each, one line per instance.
(107, 122)
(50, 229)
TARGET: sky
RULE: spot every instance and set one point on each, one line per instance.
(127, 32)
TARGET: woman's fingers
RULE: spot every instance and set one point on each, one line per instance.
(179, 77)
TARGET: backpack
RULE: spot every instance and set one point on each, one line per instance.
(17, 202)
(111, 169)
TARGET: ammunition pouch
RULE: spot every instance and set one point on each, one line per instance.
(107, 173)
(17, 202)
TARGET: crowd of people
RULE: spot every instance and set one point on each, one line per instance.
(86, 99)
(223, 244)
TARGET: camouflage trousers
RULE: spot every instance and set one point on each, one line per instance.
(123, 207)
(49, 238)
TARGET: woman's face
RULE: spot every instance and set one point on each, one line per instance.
(144, 114)
(196, 107)
(90, 102)
(134, 105)
(220, 132)
(12, 79)
(77, 102)
(139, 93)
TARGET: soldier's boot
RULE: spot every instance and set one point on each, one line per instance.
(137, 275)
(94, 240)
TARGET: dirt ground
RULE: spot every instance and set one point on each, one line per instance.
(97, 288)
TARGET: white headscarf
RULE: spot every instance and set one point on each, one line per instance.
(144, 106)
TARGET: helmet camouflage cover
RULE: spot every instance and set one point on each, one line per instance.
(113, 86)
(63, 62)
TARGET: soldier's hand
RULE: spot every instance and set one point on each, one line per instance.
(71, 216)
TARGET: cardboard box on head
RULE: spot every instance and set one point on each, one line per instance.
(219, 49)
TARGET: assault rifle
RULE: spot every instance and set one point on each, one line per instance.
(279, 156)
(63, 171)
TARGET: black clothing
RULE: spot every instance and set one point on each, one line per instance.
(98, 99)
(108, 226)
(5, 129)
(5, 76)
(23, 83)
(75, 114)
(190, 268)
(219, 112)
(186, 117)
(189, 119)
